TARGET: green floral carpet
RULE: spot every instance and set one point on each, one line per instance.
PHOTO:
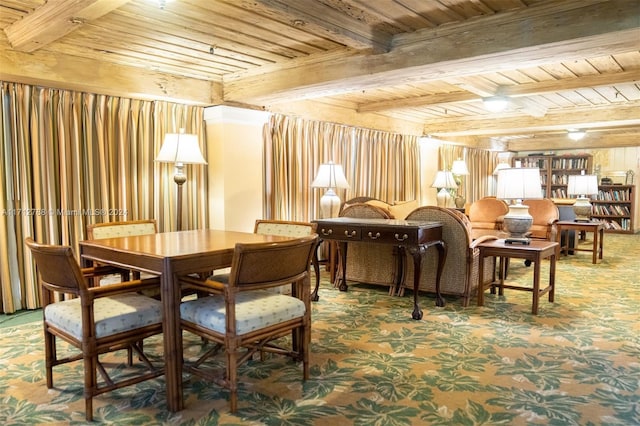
(576, 363)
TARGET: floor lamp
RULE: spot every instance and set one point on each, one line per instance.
(180, 148)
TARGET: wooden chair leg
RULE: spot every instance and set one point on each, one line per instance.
(232, 378)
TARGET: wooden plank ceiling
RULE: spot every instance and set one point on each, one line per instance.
(415, 66)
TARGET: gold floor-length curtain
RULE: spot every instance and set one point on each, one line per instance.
(376, 164)
(69, 159)
(480, 162)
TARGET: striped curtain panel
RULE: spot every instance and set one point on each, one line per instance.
(69, 159)
(480, 162)
(376, 164)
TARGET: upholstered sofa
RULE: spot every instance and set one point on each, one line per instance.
(377, 263)
(461, 269)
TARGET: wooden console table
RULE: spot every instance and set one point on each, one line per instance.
(412, 236)
(535, 251)
(598, 237)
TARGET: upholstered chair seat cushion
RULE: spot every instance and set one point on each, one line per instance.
(254, 310)
(112, 315)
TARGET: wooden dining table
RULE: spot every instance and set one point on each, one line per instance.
(169, 255)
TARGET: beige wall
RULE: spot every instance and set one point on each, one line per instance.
(234, 138)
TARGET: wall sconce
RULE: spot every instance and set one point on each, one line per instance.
(180, 148)
(330, 176)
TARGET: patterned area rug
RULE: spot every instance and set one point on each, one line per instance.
(576, 363)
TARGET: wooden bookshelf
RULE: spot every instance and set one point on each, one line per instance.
(614, 205)
(555, 171)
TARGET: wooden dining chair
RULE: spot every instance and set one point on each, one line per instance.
(96, 320)
(243, 313)
(123, 228)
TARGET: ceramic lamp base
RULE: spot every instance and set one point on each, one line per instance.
(517, 223)
(582, 209)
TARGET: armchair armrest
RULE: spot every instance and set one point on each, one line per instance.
(482, 239)
(125, 287)
(198, 284)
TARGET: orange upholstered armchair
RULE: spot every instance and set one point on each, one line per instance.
(487, 213)
(545, 215)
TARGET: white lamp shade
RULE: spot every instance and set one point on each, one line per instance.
(444, 180)
(330, 175)
(459, 168)
(180, 148)
(519, 184)
(582, 185)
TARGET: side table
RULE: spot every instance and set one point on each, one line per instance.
(535, 252)
(598, 236)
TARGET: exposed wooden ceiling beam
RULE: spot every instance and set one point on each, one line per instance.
(555, 32)
(55, 19)
(80, 74)
(523, 89)
(591, 141)
(353, 33)
(586, 117)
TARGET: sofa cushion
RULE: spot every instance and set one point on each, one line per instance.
(401, 209)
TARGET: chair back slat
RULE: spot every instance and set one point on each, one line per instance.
(125, 228)
(57, 267)
(285, 228)
(271, 264)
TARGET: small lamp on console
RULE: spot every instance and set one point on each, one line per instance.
(459, 170)
(330, 176)
(582, 185)
(444, 182)
(517, 184)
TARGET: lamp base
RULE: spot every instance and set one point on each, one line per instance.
(525, 241)
(444, 198)
(330, 204)
(582, 210)
(517, 223)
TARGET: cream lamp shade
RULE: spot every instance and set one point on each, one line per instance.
(582, 186)
(459, 168)
(330, 176)
(515, 185)
(180, 148)
(445, 182)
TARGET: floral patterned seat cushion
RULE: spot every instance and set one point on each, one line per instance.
(112, 314)
(254, 310)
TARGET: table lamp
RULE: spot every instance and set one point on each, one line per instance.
(459, 170)
(517, 184)
(444, 182)
(582, 185)
(180, 148)
(330, 176)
